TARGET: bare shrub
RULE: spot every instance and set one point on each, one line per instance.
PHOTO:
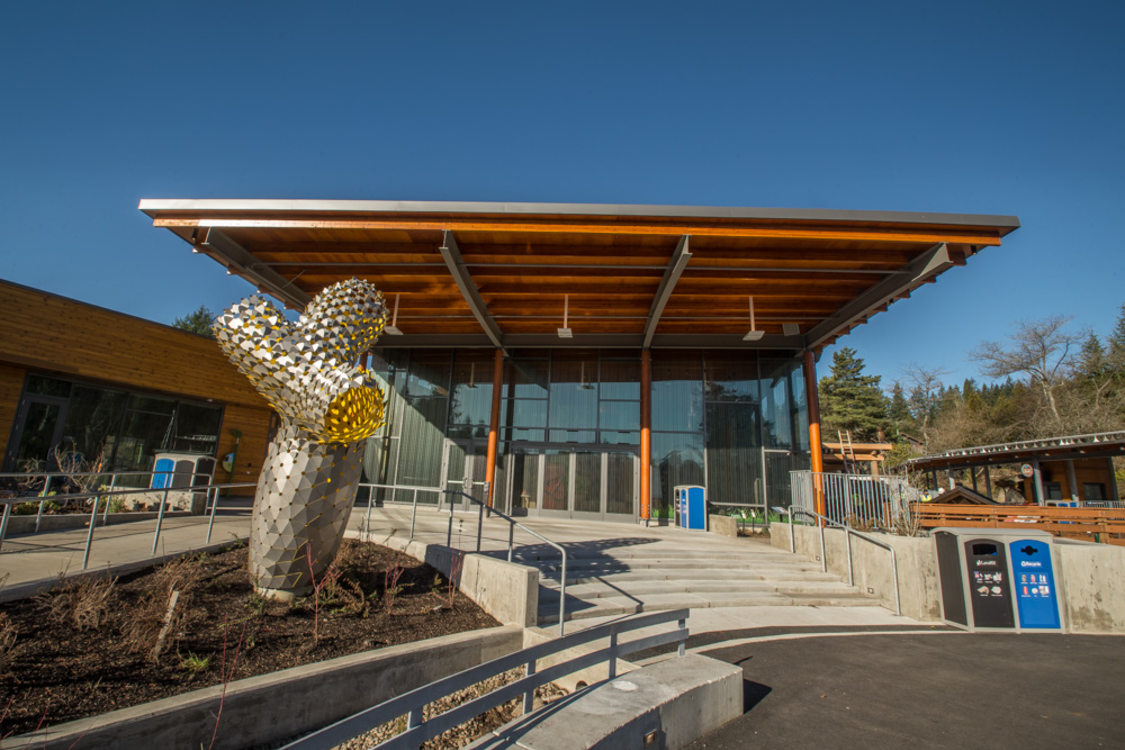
(163, 608)
(8, 636)
(83, 602)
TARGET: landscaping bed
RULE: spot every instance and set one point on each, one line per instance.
(98, 644)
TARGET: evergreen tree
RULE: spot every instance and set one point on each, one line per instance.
(850, 400)
(898, 412)
(197, 322)
(1116, 355)
(1092, 360)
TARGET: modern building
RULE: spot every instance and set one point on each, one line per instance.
(583, 360)
(93, 381)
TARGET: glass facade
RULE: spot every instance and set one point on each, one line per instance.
(569, 430)
(128, 428)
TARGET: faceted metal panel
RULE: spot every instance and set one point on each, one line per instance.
(309, 372)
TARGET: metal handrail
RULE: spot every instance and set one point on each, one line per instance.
(210, 489)
(512, 524)
(849, 532)
(412, 703)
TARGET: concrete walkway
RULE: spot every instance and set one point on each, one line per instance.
(31, 562)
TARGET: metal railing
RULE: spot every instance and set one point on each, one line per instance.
(849, 532)
(859, 498)
(411, 704)
(482, 508)
(211, 499)
(48, 477)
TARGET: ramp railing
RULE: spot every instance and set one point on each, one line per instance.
(419, 729)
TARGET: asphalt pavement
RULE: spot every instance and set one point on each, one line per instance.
(927, 690)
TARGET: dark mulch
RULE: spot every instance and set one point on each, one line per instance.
(78, 652)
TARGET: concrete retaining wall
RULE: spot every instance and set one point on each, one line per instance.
(667, 705)
(268, 709)
(1093, 586)
(919, 590)
(1092, 575)
(507, 591)
(723, 525)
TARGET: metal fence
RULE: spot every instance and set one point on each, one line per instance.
(854, 499)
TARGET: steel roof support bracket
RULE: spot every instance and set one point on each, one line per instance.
(238, 260)
(680, 257)
(932, 262)
(452, 256)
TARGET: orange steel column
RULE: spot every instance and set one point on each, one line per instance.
(814, 430)
(646, 433)
(494, 423)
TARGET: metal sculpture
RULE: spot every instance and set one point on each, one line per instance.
(309, 372)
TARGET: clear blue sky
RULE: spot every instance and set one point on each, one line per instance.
(976, 107)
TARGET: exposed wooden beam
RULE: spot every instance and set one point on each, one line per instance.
(452, 256)
(665, 230)
(238, 260)
(920, 270)
(676, 265)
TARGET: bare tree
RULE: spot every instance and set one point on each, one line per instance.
(924, 397)
(1041, 350)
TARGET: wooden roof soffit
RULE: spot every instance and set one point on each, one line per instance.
(680, 257)
(238, 260)
(451, 253)
(921, 269)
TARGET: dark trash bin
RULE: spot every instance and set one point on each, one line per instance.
(997, 579)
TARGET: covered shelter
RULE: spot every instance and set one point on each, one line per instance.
(585, 359)
(1073, 469)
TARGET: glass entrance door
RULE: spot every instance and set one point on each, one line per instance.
(778, 464)
(589, 482)
(463, 469)
(39, 426)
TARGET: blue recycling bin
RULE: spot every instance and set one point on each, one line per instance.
(691, 506)
(1033, 578)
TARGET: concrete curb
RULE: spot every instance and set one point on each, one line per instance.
(274, 707)
(20, 525)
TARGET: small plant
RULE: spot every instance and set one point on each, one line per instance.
(391, 589)
(437, 584)
(329, 578)
(257, 603)
(193, 664)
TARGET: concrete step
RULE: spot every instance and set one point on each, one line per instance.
(620, 605)
(551, 578)
(708, 589)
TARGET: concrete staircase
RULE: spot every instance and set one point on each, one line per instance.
(607, 581)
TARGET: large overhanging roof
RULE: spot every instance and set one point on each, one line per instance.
(500, 274)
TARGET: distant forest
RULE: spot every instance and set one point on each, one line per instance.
(1046, 380)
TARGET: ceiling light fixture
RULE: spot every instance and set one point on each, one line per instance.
(565, 332)
(753, 334)
(393, 329)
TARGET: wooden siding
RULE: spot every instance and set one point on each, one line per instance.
(254, 425)
(52, 334)
(42, 331)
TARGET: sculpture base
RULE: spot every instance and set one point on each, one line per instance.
(301, 508)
